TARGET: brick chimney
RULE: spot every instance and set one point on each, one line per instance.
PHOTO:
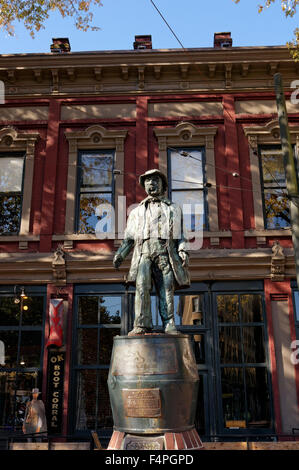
(60, 45)
(222, 40)
(143, 42)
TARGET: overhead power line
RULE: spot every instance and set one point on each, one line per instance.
(155, 6)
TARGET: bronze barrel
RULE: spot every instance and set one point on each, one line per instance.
(153, 383)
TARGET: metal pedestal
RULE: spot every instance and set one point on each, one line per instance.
(153, 385)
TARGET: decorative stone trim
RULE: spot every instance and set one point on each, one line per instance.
(277, 262)
(187, 134)
(269, 134)
(13, 141)
(59, 267)
(93, 138)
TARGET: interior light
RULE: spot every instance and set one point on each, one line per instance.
(25, 307)
(23, 293)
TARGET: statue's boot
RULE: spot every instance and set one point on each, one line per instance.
(170, 328)
(138, 330)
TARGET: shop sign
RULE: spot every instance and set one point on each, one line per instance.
(55, 391)
(235, 424)
(56, 310)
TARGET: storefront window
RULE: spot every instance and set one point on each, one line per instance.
(242, 359)
(98, 321)
(21, 328)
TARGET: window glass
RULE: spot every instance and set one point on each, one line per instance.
(241, 344)
(15, 391)
(89, 204)
(10, 213)
(9, 311)
(10, 345)
(230, 344)
(88, 312)
(251, 308)
(11, 182)
(233, 397)
(87, 346)
(192, 204)
(104, 413)
(30, 352)
(86, 399)
(98, 322)
(257, 391)
(110, 309)
(276, 206)
(228, 308)
(186, 186)
(253, 344)
(106, 344)
(186, 172)
(95, 190)
(97, 172)
(11, 174)
(21, 336)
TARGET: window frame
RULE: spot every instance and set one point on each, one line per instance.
(12, 141)
(79, 181)
(242, 365)
(15, 193)
(92, 290)
(95, 137)
(31, 291)
(263, 188)
(186, 134)
(203, 189)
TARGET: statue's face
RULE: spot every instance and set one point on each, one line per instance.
(153, 185)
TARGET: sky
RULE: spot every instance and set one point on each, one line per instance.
(193, 21)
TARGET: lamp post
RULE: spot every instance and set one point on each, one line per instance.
(290, 167)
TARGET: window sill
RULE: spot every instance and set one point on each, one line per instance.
(21, 239)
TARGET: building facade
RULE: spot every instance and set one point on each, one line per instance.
(76, 131)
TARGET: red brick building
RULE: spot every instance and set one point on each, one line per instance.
(76, 131)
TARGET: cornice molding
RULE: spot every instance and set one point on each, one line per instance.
(85, 267)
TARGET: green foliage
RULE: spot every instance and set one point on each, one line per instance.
(33, 13)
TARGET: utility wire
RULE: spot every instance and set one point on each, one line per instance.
(167, 24)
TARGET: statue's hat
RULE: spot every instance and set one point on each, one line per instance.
(143, 177)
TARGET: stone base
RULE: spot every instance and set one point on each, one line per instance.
(187, 440)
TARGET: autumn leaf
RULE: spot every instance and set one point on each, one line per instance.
(34, 13)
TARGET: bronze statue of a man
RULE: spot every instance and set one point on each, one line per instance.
(155, 230)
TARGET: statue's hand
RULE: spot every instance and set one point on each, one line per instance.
(117, 261)
(184, 257)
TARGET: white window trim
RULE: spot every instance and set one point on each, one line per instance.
(269, 134)
(186, 134)
(13, 141)
(94, 137)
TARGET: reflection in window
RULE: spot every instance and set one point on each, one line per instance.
(21, 350)
(15, 391)
(276, 206)
(11, 187)
(93, 409)
(186, 186)
(98, 321)
(228, 308)
(95, 190)
(233, 396)
(245, 388)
